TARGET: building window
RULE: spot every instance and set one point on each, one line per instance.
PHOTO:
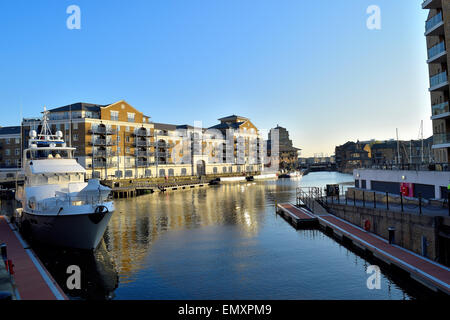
(119, 150)
(224, 169)
(75, 137)
(7, 141)
(127, 139)
(17, 141)
(128, 151)
(127, 129)
(183, 171)
(171, 172)
(118, 138)
(75, 126)
(114, 115)
(8, 162)
(17, 152)
(215, 170)
(162, 172)
(7, 152)
(131, 117)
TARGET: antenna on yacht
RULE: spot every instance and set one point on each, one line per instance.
(45, 130)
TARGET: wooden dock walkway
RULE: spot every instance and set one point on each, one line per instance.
(425, 271)
(33, 282)
(298, 216)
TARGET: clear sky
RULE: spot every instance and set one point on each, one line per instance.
(310, 66)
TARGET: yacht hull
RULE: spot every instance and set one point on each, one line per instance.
(78, 231)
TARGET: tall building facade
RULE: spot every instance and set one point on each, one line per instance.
(288, 155)
(437, 33)
(117, 141)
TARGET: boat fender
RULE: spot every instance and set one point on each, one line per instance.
(98, 214)
(367, 225)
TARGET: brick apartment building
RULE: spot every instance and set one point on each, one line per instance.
(118, 141)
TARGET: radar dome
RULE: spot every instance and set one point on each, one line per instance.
(59, 134)
(33, 134)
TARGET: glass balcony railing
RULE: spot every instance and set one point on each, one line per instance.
(436, 50)
(441, 138)
(430, 24)
(438, 79)
(440, 108)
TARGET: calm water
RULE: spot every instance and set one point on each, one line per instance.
(222, 242)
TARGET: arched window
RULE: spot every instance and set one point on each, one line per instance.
(171, 172)
(215, 170)
(183, 172)
(162, 172)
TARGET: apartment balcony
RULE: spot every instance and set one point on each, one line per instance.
(102, 142)
(165, 145)
(437, 53)
(144, 163)
(143, 133)
(431, 4)
(439, 82)
(143, 143)
(435, 25)
(102, 130)
(441, 140)
(144, 154)
(103, 164)
(440, 111)
(103, 154)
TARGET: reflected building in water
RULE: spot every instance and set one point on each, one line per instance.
(139, 222)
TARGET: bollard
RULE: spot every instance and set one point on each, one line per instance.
(401, 200)
(420, 203)
(391, 231)
(387, 201)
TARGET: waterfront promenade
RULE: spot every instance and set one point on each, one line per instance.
(32, 280)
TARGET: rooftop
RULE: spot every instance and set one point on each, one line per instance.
(9, 130)
(79, 106)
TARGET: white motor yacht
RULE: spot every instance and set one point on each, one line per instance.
(58, 207)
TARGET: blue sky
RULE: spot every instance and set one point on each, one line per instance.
(310, 66)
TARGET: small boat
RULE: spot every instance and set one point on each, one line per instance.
(233, 179)
(293, 174)
(266, 176)
(58, 207)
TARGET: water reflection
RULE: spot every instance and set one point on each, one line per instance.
(99, 276)
(139, 222)
(224, 242)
